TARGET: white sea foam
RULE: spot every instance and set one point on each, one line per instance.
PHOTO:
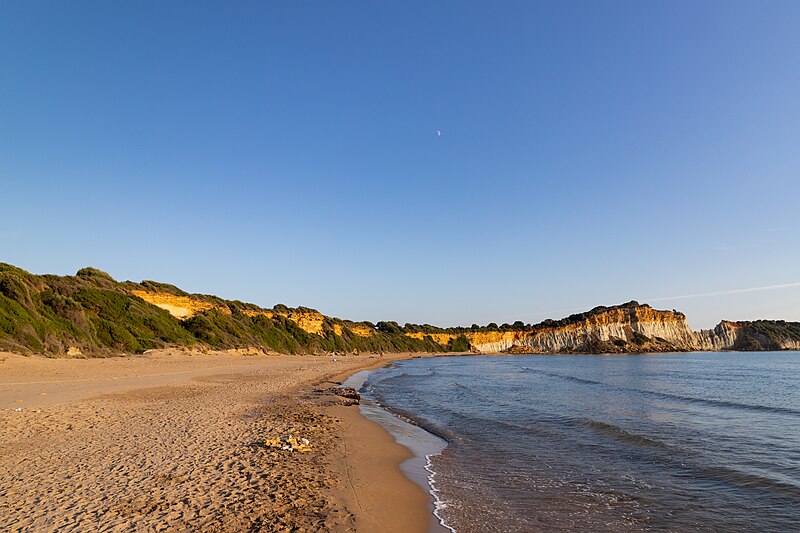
(438, 503)
(423, 444)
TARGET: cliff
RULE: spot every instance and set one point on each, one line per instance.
(181, 307)
(91, 313)
(184, 307)
(627, 328)
(635, 328)
(751, 336)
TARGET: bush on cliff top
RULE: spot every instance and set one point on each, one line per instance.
(98, 315)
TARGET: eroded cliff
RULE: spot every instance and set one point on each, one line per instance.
(628, 328)
(184, 307)
(91, 313)
(181, 307)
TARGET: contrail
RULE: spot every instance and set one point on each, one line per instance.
(724, 293)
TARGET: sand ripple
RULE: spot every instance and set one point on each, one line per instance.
(179, 457)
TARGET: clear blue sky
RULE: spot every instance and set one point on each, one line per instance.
(591, 153)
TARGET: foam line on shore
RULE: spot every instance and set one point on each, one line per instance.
(438, 503)
(403, 433)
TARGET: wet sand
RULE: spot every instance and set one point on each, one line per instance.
(174, 441)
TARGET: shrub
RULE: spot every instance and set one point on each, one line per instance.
(459, 344)
(89, 273)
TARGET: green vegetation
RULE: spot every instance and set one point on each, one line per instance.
(776, 330)
(767, 334)
(459, 344)
(88, 311)
(155, 286)
(98, 315)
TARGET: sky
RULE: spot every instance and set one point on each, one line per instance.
(443, 162)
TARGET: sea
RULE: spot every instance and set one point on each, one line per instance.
(674, 442)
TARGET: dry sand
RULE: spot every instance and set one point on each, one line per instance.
(172, 441)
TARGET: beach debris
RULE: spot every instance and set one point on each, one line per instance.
(348, 393)
(289, 443)
(345, 395)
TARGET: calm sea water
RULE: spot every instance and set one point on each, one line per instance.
(667, 442)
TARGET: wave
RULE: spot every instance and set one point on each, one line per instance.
(623, 435)
(671, 396)
(718, 403)
(748, 480)
(543, 427)
(597, 452)
(566, 377)
(411, 418)
(460, 421)
(493, 399)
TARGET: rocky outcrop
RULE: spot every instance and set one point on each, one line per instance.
(90, 313)
(495, 341)
(347, 392)
(185, 307)
(339, 395)
(725, 336)
(181, 307)
(751, 336)
(481, 341)
(361, 331)
(628, 328)
(310, 321)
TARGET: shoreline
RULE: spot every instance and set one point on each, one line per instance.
(422, 444)
(384, 497)
(176, 440)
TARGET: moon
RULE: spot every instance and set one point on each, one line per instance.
(438, 133)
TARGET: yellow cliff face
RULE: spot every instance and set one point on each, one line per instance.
(627, 328)
(637, 328)
(490, 337)
(310, 321)
(181, 307)
(476, 338)
(361, 331)
(184, 307)
(620, 323)
(440, 338)
(263, 312)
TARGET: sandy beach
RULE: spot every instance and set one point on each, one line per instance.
(174, 441)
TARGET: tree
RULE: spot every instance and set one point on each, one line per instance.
(389, 327)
